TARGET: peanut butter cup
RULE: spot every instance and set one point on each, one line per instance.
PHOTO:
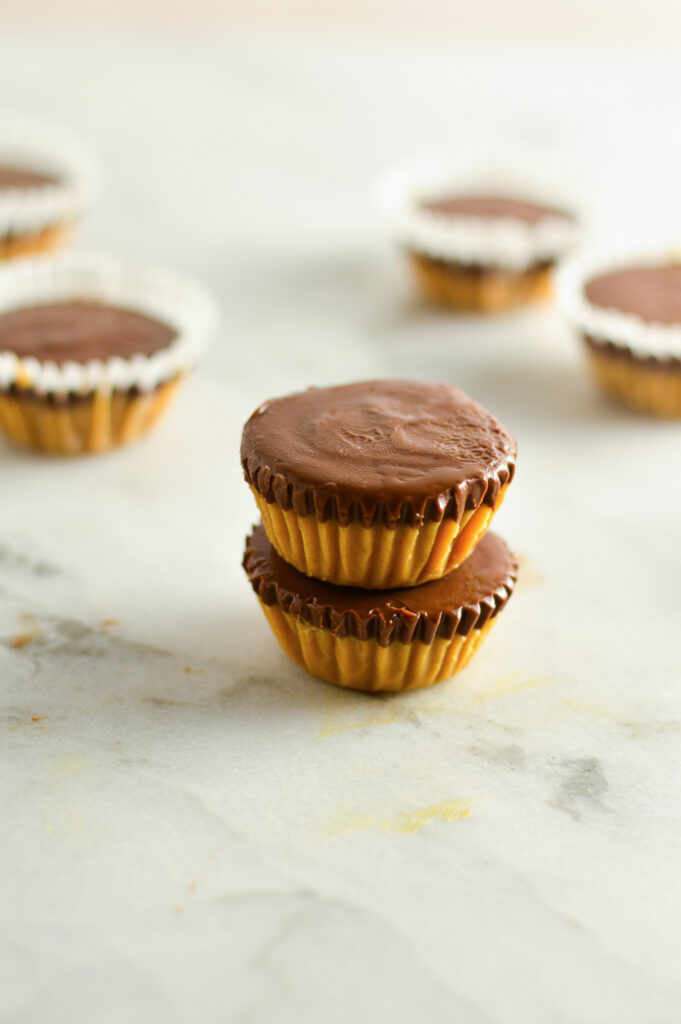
(629, 315)
(376, 484)
(476, 280)
(47, 183)
(393, 640)
(91, 350)
(488, 248)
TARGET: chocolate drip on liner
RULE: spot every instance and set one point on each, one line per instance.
(326, 503)
(325, 606)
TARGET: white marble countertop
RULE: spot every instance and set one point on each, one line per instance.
(191, 828)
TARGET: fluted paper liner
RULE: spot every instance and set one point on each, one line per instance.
(375, 557)
(366, 665)
(107, 420)
(646, 387)
(490, 290)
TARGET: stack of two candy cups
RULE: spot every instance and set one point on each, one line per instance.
(374, 591)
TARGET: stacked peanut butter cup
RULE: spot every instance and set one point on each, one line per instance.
(373, 563)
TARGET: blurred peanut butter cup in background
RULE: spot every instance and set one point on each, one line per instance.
(92, 349)
(47, 184)
(627, 309)
(481, 241)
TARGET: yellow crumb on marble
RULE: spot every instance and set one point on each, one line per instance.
(504, 688)
(637, 726)
(22, 640)
(450, 810)
(404, 824)
(70, 766)
(63, 781)
(333, 730)
(334, 722)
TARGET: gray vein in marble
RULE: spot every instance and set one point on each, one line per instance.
(311, 913)
(583, 787)
(509, 755)
(12, 560)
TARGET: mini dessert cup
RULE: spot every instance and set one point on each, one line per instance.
(480, 241)
(47, 183)
(391, 641)
(627, 308)
(378, 484)
(92, 349)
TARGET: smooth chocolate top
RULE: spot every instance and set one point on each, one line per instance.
(652, 293)
(21, 177)
(457, 603)
(79, 332)
(492, 207)
(377, 451)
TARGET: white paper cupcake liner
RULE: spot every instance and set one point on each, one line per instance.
(506, 243)
(49, 150)
(623, 329)
(173, 298)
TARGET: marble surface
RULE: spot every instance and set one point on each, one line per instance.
(192, 829)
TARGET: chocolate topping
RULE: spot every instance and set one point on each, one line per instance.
(652, 293)
(492, 208)
(377, 451)
(458, 603)
(80, 332)
(20, 177)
